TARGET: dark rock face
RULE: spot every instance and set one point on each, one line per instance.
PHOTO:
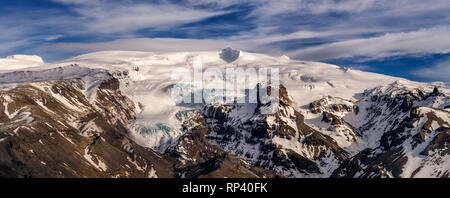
(435, 92)
(406, 104)
(112, 84)
(376, 166)
(439, 143)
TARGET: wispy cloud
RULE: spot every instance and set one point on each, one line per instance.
(105, 16)
(129, 18)
(53, 37)
(146, 44)
(424, 41)
(438, 72)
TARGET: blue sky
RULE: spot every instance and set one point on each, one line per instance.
(406, 38)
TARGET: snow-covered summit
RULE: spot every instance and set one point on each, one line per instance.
(20, 61)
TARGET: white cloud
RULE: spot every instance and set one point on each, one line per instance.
(147, 44)
(424, 41)
(126, 17)
(132, 18)
(440, 72)
(53, 37)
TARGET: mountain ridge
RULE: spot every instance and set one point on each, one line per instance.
(330, 118)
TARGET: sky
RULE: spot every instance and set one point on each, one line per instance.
(404, 38)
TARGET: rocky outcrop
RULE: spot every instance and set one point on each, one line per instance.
(413, 129)
(281, 141)
(53, 129)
